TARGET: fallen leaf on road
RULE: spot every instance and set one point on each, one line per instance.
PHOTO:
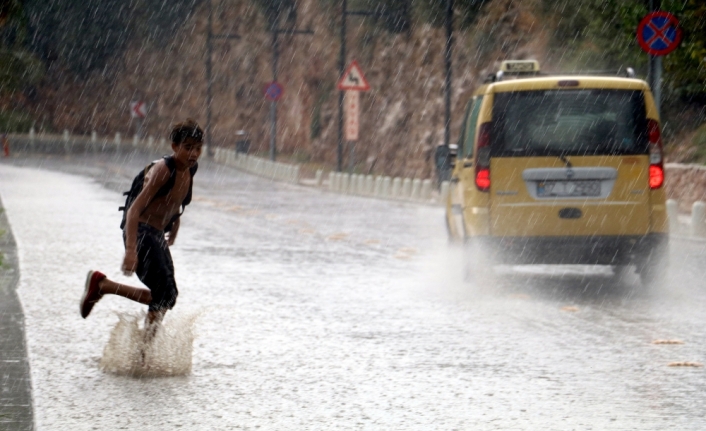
(667, 342)
(570, 308)
(685, 364)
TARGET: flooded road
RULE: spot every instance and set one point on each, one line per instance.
(322, 311)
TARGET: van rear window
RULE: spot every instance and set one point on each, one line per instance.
(568, 122)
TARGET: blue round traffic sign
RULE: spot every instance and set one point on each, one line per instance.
(659, 33)
(273, 91)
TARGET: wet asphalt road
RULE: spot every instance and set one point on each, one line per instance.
(320, 311)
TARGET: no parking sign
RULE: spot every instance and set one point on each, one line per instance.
(659, 33)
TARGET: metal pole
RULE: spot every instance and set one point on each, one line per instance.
(351, 156)
(447, 81)
(273, 104)
(209, 78)
(655, 67)
(341, 71)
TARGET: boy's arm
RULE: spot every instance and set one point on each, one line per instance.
(171, 235)
(154, 180)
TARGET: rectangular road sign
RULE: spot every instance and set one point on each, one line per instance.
(352, 106)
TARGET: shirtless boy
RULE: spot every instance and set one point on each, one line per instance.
(146, 242)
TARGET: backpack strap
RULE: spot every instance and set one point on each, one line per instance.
(187, 198)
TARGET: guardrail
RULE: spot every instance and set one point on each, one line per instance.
(66, 143)
(381, 187)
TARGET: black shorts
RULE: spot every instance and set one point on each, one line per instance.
(155, 267)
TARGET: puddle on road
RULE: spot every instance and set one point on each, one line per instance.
(169, 353)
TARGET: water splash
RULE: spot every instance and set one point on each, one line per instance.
(168, 354)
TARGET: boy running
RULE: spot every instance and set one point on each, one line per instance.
(167, 185)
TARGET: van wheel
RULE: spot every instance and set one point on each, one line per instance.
(653, 274)
(449, 234)
(476, 265)
(622, 272)
(653, 269)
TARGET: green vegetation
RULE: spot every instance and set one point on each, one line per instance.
(601, 34)
(699, 143)
(84, 35)
(15, 121)
(19, 68)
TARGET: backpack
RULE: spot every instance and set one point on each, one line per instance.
(139, 180)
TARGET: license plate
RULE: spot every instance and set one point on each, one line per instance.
(568, 188)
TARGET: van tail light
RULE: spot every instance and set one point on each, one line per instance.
(656, 155)
(483, 158)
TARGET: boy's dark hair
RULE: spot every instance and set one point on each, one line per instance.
(186, 129)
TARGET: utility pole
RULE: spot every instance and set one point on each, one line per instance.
(447, 62)
(341, 71)
(209, 73)
(273, 104)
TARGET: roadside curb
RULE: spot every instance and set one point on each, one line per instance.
(16, 411)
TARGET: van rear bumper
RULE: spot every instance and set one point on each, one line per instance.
(589, 250)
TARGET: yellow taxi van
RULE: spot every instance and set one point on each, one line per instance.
(560, 170)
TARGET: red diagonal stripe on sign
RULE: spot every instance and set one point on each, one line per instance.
(659, 33)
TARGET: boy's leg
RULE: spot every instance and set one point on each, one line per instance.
(137, 294)
(152, 322)
(98, 285)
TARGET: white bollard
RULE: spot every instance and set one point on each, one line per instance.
(673, 215)
(94, 137)
(416, 189)
(345, 180)
(386, 188)
(698, 213)
(377, 192)
(67, 147)
(118, 140)
(31, 138)
(353, 185)
(369, 185)
(396, 188)
(426, 190)
(319, 177)
(406, 188)
(361, 185)
(332, 181)
(295, 172)
(443, 196)
(150, 143)
(135, 140)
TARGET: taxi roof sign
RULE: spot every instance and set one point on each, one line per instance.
(520, 66)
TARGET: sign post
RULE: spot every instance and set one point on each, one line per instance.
(658, 34)
(352, 82)
(138, 111)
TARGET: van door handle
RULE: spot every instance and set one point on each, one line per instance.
(467, 164)
(454, 180)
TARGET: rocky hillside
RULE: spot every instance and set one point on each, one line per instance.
(402, 117)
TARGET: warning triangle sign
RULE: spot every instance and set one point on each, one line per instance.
(353, 79)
